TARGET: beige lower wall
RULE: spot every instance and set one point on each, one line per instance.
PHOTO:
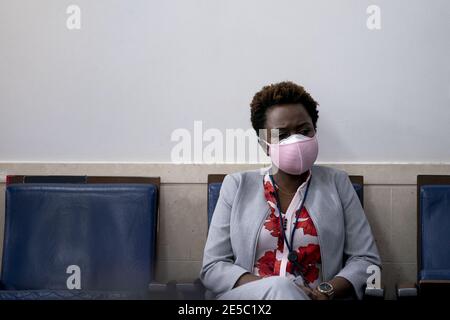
(389, 202)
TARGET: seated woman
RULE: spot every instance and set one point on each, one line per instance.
(295, 230)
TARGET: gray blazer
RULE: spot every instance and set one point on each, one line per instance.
(346, 242)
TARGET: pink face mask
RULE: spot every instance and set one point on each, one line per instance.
(295, 154)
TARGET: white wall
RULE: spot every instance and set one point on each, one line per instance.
(116, 89)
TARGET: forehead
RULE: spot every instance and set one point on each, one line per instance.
(289, 115)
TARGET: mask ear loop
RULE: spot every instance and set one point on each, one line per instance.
(267, 145)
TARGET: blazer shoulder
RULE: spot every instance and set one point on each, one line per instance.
(329, 173)
(238, 183)
(250, 177)
(247, 175)
(245, 179)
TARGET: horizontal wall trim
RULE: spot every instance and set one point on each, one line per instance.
(374, 173)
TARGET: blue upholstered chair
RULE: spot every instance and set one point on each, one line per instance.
(433, 239)
(80, 237)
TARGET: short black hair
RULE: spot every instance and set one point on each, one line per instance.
(285, 92)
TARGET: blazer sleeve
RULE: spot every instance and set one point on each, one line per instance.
(359, 247)
(219, 273)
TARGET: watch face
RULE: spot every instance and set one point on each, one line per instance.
(326, 287)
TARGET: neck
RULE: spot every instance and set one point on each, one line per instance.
(289, 182)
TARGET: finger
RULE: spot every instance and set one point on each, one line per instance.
(320, 296)
(308, 292)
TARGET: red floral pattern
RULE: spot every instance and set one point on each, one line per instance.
(308, 257)
(306, 223)
(269, 262)
(273, 224)
(269, 192)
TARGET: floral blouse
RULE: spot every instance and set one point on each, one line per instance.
(271, 251)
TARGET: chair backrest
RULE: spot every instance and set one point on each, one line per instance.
(215, 183)
(100, 231)
(433, 227)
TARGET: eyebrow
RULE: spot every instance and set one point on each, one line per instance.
(298, 126)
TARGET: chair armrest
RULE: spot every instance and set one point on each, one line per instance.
(406, 291)
(374, 294)
(162, 291)
(191, 291)
(66, 294)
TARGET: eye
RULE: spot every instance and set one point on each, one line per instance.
(305, 132)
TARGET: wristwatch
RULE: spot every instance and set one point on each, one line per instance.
(327, 289)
